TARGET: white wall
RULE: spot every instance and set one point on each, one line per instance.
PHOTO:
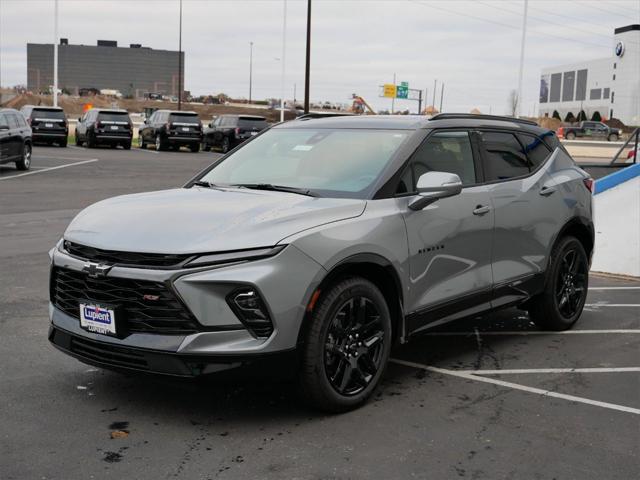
(617, 224)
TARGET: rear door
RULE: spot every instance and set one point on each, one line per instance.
(526, 211)
(15, 143)
(5, 138)
(450, 241)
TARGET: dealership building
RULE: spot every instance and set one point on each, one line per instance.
(603, 88)
(131, 70)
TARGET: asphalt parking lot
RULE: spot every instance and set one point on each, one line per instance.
(488, 398)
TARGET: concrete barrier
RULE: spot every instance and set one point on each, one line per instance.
(617, 223)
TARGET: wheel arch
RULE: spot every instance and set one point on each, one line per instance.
(370, 266)
(581, 228)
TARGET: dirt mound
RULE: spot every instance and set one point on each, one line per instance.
(549, 122)
(74, 106)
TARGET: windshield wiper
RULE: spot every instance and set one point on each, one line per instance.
(204, 183)
(277, 188)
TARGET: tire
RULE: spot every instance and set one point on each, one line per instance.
(612, 137)
(141, 142)
(560, 305)
(206, 147)
(195, 147)
(332, 349)
(126, 145)
(113, 145)
(91, 141)
(161, 145)
(570, 136)
(25, 162)
(78, 142)
(226, 145)
(63, 143)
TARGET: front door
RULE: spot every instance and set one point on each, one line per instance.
(450, 241)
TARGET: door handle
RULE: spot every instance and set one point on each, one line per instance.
(546, 191)
(481, 210)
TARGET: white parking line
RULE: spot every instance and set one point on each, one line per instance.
(517, 386)
(614, 288)
(517, 371)
(50, 168)
(596, 305)
(143, 150)
(529, 332)
(49, 157)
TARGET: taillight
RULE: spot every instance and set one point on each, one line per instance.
(99, 124)
(589, 183)
(167, 125)
(29, 120)
(560, 132)
(237, 131)
(631, 154)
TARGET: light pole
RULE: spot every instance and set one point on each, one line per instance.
(180, 60)
(250, 68)
(524, 34)
(55, 55)
(284, 51)
(307, 66)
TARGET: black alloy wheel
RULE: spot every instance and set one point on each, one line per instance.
(354, 346)
(571, 283)
(560, 305)
(346, 346)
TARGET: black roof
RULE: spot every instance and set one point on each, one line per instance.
(414, 122)
(43, 107)
(182, 112)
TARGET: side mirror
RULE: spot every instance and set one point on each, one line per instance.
(211, 125)
(79, 119)
(433, 186)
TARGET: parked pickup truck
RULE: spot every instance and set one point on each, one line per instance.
(594, 130)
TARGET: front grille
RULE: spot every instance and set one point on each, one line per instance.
(162, 312)
(110, 354)
(124, 258)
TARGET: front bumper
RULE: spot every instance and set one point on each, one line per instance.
(285, 282)
(139, 360)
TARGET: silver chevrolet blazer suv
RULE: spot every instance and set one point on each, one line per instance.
(320, 244)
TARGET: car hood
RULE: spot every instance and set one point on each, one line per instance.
(199, 220)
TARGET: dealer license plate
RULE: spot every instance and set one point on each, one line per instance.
(48, 125)
(98, 318)
(185, 129)
(114, 127)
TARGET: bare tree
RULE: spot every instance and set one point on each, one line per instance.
(513, 102)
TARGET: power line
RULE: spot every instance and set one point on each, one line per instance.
(506, 25)
(610, 12)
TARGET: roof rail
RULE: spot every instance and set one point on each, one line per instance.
(452, 116)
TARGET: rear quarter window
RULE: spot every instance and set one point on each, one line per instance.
(503, 156)
(535, 149)
(252, 123)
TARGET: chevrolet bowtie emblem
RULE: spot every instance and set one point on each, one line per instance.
(96, 270)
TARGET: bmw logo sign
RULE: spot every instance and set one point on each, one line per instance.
(619, 49)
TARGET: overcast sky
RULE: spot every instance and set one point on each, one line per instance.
(473, 46)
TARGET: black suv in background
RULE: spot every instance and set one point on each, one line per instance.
(171, 129)
(48, 124)
(228, 131)
(104, 127)
(15, 139)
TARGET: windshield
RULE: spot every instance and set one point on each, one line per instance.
(184, 118)
(113, 117)
(339, 163)
(47, 113)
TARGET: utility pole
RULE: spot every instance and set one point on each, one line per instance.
(419, 101)
(180, 60)
(435, 86)
(524, 35)
(284, 51)
(441, 96)
(393, 100)
(294, 94)
(250, 68)
(55, 55)
(307, 67)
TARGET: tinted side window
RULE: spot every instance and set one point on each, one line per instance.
(3, 120)
(21, 121)
(441, 152)
(537, 152)
(12, 120)
(504, 157)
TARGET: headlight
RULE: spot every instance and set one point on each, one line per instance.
(248, 306)
(237, 256)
